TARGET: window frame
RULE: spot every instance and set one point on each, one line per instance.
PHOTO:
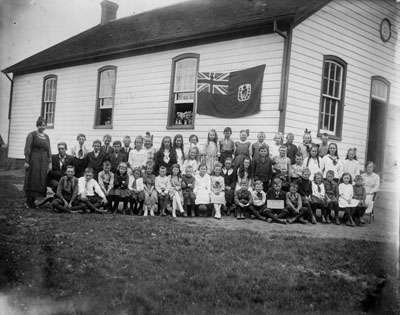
(43, 112)
(341, 100)
(172, 103)
(96, 124)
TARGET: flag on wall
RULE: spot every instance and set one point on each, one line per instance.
(230, 94)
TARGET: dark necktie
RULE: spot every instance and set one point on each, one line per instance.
(80, 153)
(259, 195)
(319, 188)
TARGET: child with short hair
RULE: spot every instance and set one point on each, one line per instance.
(323, 147)
(217, 194)
(359, 193)
(291, 148)
(90, 193)
(136, 186)
(150, 194)
(226, 146)
(121, 190)
(194, 143)
(175, 192)
(332, 195)
(346, 200)
(106, 180)
(107, 148)
(211, 150)
(280, 162)
(259, 198)
(243, 199)
(79, 152)
(138, 156)
(163, 186)
(116, 157)
(305, 147)
(296, 170)
(188, 183)
(96, 158)
(66, 197)
(255, 147)
(262, 167)
(305, 190)
(242, 149)
(318, 199)
(127, 145)
(230, 183)
(202, 190)
(295, 206)
(276, 211)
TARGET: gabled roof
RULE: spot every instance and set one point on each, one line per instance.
(163, 28)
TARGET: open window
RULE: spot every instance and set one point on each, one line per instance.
(183, 91)
(49, 99)
(332, 96)
(105, 96)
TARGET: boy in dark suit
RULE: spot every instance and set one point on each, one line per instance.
(59, 162)
(116, 157)
(96, 158)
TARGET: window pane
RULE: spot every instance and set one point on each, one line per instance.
(325, 86)
(379, 90)
(185, 75)
(185, 96)
(107, 83)
(50, 90)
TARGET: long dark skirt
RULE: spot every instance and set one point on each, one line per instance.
(36, 175)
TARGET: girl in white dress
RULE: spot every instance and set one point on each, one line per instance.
(217, 195)
(313, 162)
(332, 162)
(350, 164)
(211, 151)
(346, 201)
(202, 189)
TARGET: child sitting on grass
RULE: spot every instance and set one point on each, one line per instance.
(136, 187)
(243, 200)
(202, 190)
(259, 198)
(332, 195)
(150, 194)
(217, 195)
(121, 190)
(276, 197)
(295, 206)
(188, 182)
(90, 193)
(66, 198)
(162, 185)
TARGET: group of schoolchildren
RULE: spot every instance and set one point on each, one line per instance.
(282, 183)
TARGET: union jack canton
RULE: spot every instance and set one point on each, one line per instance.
(213, 82)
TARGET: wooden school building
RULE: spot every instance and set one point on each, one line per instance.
(330, 66)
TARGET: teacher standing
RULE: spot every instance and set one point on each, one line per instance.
(37, 163)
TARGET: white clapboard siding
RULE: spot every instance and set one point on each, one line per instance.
(349, 30)
(142, 95)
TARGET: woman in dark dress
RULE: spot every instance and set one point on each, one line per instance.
(37, 163)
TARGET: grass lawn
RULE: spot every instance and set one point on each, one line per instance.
(104, 264)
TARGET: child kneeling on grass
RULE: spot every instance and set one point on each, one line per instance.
(243, 199)
(90, 193)
(295, 206)
(66, 199)
(276, 197)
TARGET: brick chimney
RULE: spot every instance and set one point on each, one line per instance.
(108, 11)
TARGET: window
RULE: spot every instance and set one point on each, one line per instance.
(183, 91)
(332, 96)
(105, 96)
(49, 99)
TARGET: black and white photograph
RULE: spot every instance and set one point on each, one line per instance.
(192, 157)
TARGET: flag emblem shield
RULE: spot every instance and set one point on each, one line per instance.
(244, 92)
